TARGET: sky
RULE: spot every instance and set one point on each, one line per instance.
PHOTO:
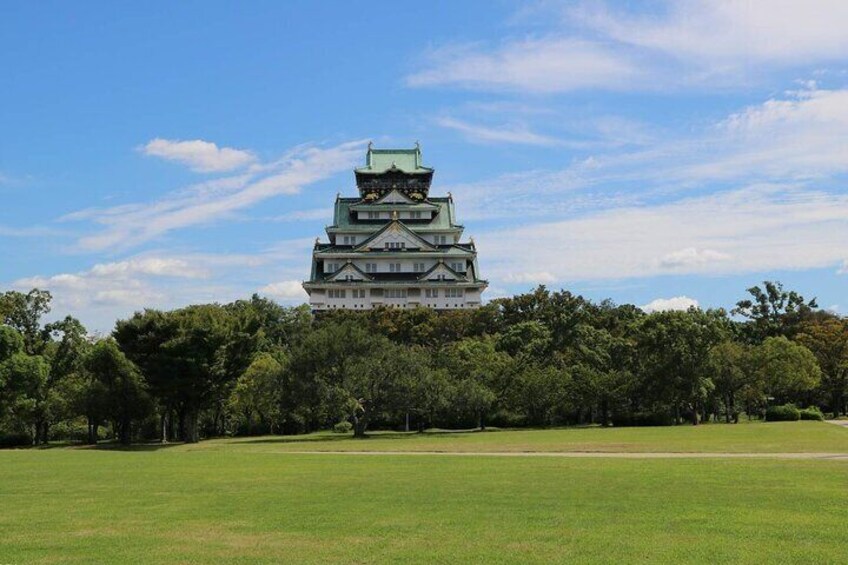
(664, 154)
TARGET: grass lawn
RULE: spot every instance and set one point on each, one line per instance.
(756, 437)
(226, 501)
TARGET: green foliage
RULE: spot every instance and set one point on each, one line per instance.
(785, 413)
(543, 358)
(787, 370)
(343, 427)
(23, 312)
(828, 340)
(11, 342)
(15, 439)
(773, 311)
(812, 413)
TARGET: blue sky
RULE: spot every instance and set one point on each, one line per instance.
(656, 153)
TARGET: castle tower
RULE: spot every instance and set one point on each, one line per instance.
(394, 245)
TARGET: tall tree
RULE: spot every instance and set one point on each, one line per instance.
(729, 367)
(257, 394)
(773, 311)
(828, 340)
(673, 349)
(126, 395)
(24, 312)
(787, 370)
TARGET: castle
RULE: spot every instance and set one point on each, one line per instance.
(394, 245)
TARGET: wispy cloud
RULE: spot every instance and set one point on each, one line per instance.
(728, 35)
(552, 64)
(796, 138)
(304, 215)
(751, 229)
(30, 231)
(201, 156)
(511, 133)
(131, 224)
(689, 43)
(690, 257)
(110, 290)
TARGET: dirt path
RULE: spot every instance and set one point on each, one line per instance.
(593, 454)
(843, 423)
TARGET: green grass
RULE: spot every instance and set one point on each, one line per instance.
(233, 501)
(772, 437)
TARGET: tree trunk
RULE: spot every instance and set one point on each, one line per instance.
(191, 425)
(125, 432)
(360, 425)
(163, 427)
(406, 427)
(92, 432)
(480, 423)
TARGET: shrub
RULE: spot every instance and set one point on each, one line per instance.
(812, 413)
(643, 419)
(785, 413)
(343, 427)
(15, 439)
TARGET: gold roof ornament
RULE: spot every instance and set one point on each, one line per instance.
(394, 215)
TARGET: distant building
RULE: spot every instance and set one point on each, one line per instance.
(394, 245)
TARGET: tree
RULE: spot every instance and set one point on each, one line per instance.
(126, 398)
(23, 312)
(258, 392)
(24, 379)
(11, 342)
(601, 369)
(773, 311)
(483, 375)
(382, 382)
(828, 340)
(787, 370)
(673, 349)
(729, 368)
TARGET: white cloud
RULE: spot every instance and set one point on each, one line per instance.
(157, 266)
(109, 291)
(691, 256)
(31, 231)
(304, 215)
(799, 137)
(131, 224)
(758, 228)
(201, 156)
(724, 34)
(551, 64)
(844, 269)
(536, 277)
(516, 134)
(665, 304)
(680, 43)
(284, 290)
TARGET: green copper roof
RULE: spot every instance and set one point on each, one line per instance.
(405, 160)
(343, 221)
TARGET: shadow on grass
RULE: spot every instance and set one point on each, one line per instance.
(310, 438)
(109, 446)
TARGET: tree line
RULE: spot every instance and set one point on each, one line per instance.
(543, 358)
